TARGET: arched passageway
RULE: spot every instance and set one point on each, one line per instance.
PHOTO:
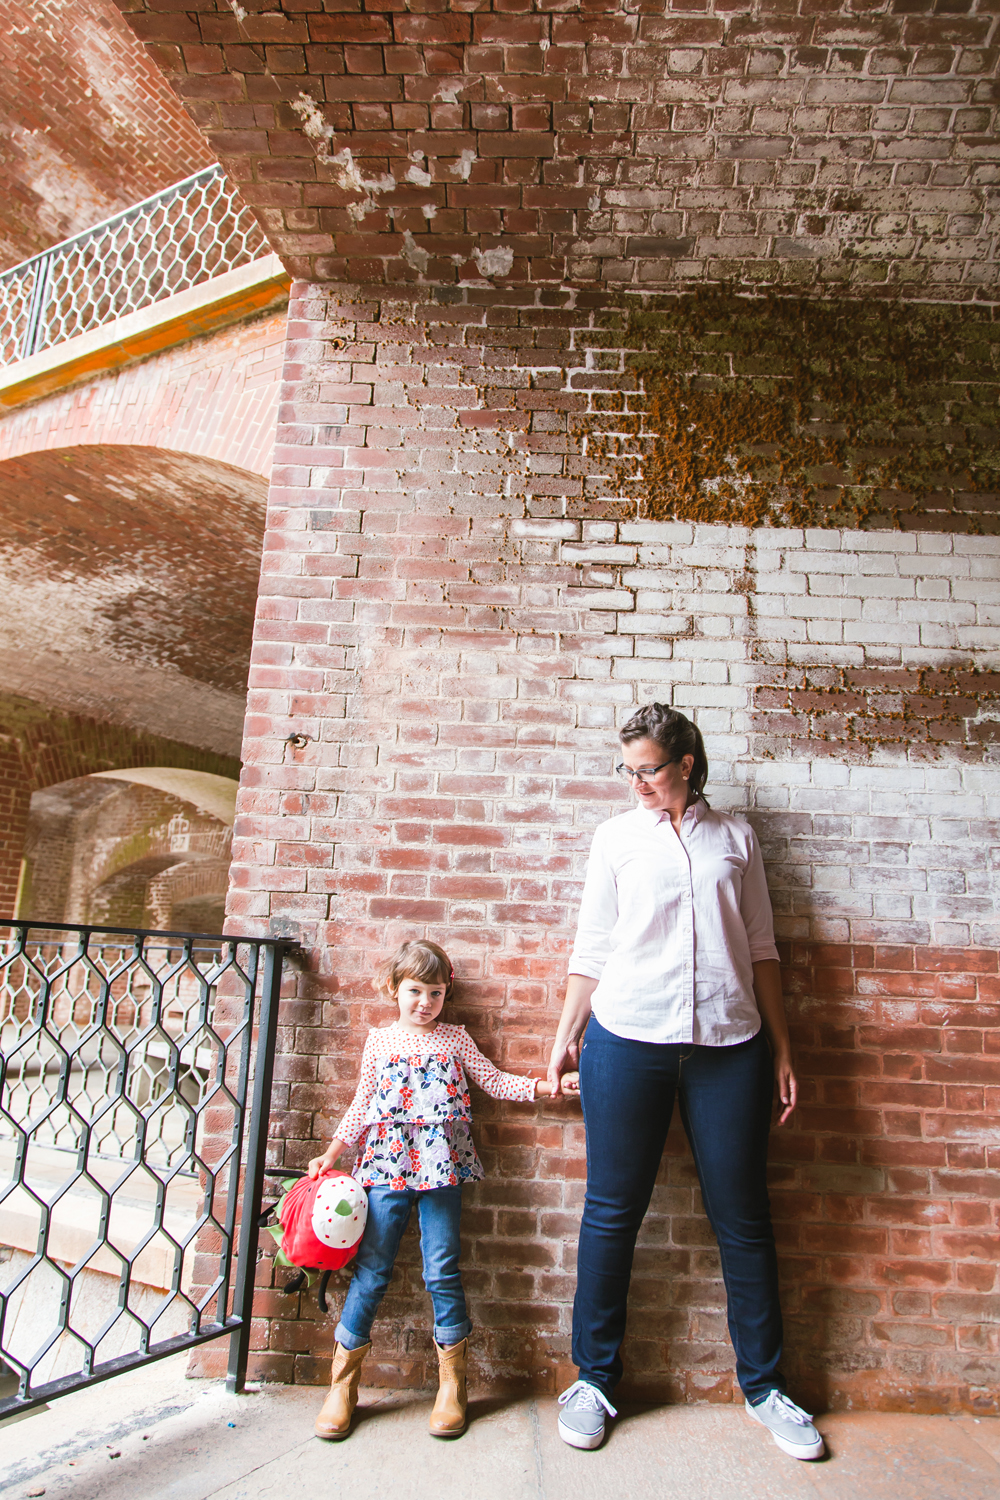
(146, 848)
(129, 577)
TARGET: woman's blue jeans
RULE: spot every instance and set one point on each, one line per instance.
(725, 1095)
(440, 1211)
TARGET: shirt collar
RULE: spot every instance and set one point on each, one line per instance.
(652, 816)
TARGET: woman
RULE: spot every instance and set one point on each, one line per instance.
(674, 978)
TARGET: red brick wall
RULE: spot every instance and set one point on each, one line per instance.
(458, 644)
(87, 122)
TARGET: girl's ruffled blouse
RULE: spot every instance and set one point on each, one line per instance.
(412, 1106)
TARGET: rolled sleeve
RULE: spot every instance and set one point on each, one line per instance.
(598, 913)
(755, 906)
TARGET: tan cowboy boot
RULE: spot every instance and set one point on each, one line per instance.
(334, 1420)
(448, 1416)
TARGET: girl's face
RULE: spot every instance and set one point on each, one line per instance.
(420, 1004)
(668, 787)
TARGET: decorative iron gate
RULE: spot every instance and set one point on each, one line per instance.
(128, 1136)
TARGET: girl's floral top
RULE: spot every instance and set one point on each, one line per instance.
(413, 1110)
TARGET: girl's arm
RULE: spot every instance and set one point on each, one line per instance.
(572, 1025)
(767, 993)
(491, 1080)
(352, 1126)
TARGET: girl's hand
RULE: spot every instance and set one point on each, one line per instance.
(569, 1084)
(327, 1161)
(788, 1088)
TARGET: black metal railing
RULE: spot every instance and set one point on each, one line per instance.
(178, 238)
(133, 1126)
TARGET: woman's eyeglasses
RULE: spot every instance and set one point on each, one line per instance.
(645, 774)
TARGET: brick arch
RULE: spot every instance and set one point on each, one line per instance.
(214, 397)
(40, 747)
(129, 576)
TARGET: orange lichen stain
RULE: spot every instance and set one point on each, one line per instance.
(795, 412)
(921, 709)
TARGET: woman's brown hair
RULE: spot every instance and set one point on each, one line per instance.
(676, 737)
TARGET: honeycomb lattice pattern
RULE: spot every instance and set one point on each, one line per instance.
(177, 239)
(124, 1062)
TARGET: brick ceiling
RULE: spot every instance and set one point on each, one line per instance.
(644, 143)
(129, 579)
(87, 124)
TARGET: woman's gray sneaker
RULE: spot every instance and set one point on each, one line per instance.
(790, 1426)
(581, 1421)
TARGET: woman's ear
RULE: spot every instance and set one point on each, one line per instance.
(687, 766)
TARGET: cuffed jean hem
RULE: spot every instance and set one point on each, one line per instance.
(348, 1340)
(454, 1335)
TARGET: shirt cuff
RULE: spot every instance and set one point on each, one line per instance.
(584, 969)
(758, 955)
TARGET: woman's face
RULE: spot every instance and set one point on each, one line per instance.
(669, 787)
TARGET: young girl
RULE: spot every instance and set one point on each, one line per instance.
(412, 1104)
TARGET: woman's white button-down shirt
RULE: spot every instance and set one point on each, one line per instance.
(671, 926)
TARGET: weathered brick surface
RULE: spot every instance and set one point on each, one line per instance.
(642, 145)
(459, 639)
(88, 124)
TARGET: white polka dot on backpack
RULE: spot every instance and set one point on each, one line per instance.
(340, 1209)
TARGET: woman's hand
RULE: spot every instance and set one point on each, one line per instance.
(767, 993)
(327, 1161)
(788, 1088)
(565, 1054)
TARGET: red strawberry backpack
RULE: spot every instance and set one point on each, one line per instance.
(320, 1224)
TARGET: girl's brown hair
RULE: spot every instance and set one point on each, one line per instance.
(420, 960)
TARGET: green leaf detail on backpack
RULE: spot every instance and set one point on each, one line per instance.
(344, 1208)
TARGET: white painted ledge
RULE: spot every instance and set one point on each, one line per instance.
(257, 287)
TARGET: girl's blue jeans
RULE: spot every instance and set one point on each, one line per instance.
(440, 1211)
(628, 1090)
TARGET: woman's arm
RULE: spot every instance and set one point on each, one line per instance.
(767, 992)
(572, 1025)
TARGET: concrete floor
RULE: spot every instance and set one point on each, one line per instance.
(153, 1435)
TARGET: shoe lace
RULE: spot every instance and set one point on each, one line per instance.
(590, 1398)
(778, 1403)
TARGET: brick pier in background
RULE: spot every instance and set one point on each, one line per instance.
(458, 626)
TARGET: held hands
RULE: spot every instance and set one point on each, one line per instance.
(567, 1086)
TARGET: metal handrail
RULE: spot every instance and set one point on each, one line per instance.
(177, 238)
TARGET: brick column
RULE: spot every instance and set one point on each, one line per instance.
(455, 625)
(15, 802)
